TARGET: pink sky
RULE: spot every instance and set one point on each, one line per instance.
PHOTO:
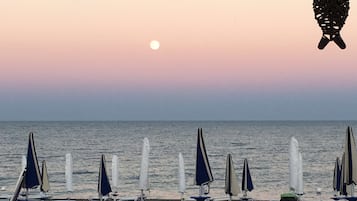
(206, 45)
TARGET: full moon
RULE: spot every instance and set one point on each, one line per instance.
(154, 44)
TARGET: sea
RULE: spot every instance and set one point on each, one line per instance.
(264, 143)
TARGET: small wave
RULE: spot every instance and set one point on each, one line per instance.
(238, 143)
(81, 172)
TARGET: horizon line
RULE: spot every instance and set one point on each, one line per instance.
(181, 120)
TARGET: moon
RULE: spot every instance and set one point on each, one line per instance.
(154, 45)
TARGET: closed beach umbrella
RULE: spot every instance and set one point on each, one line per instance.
(343, 190)
(115, 167)
(337, 175)
(293, 164)
(32, 176)
(203, 169)
(45, 186)
(231, 181)
(68, 172)
(103, 181)
(182, 178)
(350, 162)
(144, 169)
(247, 183)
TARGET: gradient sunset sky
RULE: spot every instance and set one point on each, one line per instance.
(218, 60)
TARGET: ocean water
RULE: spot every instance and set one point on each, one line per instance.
(264, 144)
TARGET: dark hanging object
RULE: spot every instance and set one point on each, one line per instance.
(331, 16)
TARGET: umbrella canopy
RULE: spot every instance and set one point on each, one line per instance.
(337, 175)
(343, 190)
(103, 181)
(231, 184)
(144, 169)
(45, 186)
(247, 183)
(293, 164)
(32, 175)
(182, 178)
(115, 167)
(203, 169)
(68, 172)
(350, 162)
(296, 183)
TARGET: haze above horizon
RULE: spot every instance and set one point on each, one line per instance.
(231, 60)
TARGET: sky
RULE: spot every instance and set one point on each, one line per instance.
(218, 60)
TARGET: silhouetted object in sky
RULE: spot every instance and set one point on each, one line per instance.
(331, 16)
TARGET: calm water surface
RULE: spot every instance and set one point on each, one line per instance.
(265, 144)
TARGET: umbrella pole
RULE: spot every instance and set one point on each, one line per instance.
(27, 193)
(142, 195)
(69, 195)
(201, 190)
(352, 190)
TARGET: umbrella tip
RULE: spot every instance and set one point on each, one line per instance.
(349, 129)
